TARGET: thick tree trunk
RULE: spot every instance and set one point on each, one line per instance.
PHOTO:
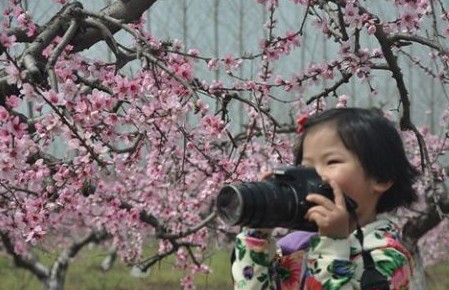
(58, 272)
(54, 284)
(419, 278)
(417, 227)
(54, 278)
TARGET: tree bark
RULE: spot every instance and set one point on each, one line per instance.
(126, 10)
(419, 278)
(54, 278)
(416, 228)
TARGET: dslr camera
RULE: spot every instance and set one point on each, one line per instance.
(279, 201)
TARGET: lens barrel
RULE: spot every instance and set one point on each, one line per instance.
(279, 201)
(265, 204)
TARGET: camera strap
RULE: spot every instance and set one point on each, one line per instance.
(371, 278)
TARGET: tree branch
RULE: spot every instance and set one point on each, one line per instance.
(61, 264)
(417, 227)
(418, 39)
(28, 262)
(126, 11)
(333, 88)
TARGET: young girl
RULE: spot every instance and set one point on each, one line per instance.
(359, 153)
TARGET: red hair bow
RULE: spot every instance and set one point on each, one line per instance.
(300, 122)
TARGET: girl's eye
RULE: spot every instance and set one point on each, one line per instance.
(333, 161)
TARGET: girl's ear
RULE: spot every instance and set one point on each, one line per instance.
(382, 186)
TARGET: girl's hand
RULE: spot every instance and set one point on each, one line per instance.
(265, 175)
(332, 218)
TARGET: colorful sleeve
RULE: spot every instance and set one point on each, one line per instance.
(328, 264)
(391, 258)
(253, 259)
(395, 264)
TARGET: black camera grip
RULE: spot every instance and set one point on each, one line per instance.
(326, 189)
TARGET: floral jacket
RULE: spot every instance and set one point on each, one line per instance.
(312, 262)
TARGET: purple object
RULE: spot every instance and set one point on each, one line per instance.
(295, 241)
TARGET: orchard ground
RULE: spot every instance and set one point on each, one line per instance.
(85, 273)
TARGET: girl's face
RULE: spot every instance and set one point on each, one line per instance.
(324, 150)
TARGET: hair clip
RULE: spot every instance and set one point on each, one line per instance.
(300, 122)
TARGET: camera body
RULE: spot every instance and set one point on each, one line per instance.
(279, 201)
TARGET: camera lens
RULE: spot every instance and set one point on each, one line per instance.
(279, 201)
(259, 204)
(230, 205)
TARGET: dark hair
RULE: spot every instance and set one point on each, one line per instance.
(377, 144)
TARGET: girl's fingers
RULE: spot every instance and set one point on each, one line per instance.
(265, 175)
(339, 197)
(319, 199)
(330, 215)
(315, 214)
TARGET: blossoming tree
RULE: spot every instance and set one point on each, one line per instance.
(143, 155)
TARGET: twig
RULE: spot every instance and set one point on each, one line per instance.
(71, 31)
(327, 91)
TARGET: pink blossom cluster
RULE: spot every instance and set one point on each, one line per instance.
(15, 13)
(411, 16)
(445, 18)
(357, 19)
(273, 49)
(432, 250)
(429, 187)
(142, 155)
(7, 40)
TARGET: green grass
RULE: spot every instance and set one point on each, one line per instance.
(438, 276)
(85, 273)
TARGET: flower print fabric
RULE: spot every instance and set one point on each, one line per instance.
(253, 259)
(401, 278)
(327, 263)
(289, 271)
